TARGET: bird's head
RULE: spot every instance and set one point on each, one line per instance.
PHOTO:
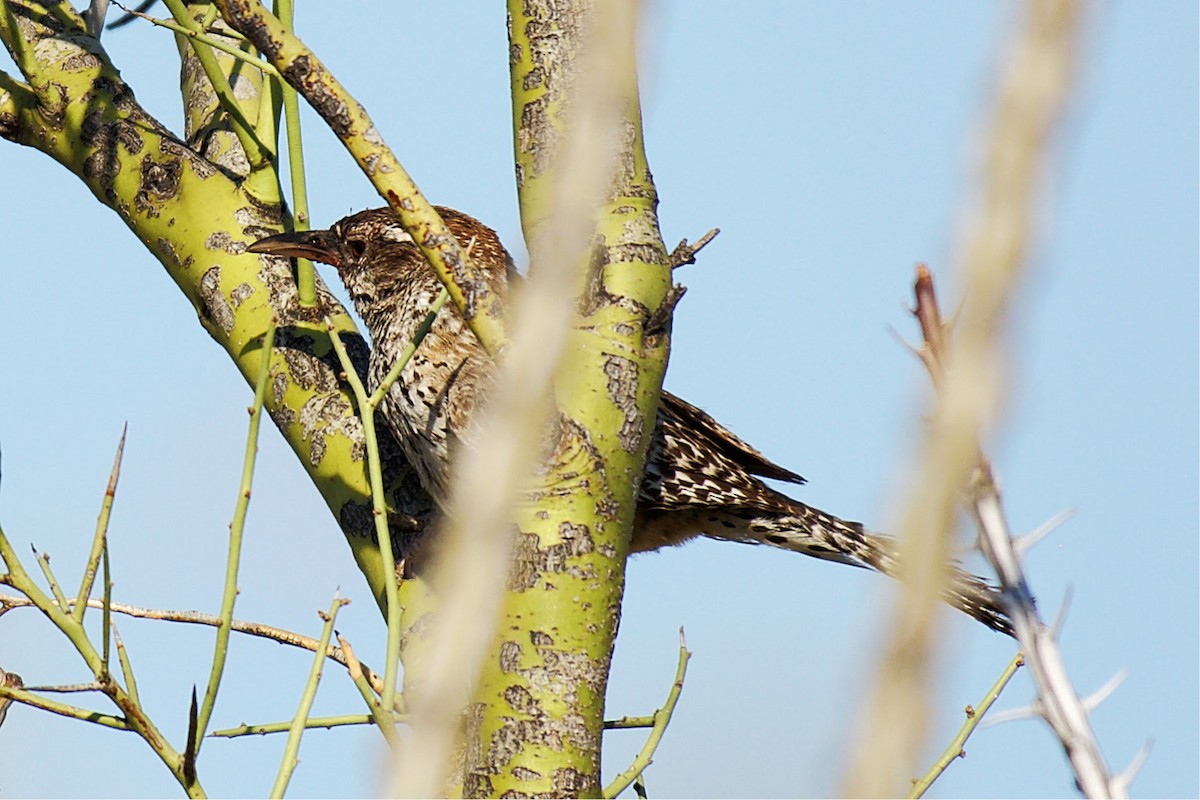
(367, 248)
(375, 256)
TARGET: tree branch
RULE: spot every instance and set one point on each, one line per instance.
(350, 123)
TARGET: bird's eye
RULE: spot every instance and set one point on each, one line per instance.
(357, 247)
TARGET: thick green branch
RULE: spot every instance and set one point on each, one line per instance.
(575, 110)
(350, 123)
(197, 218)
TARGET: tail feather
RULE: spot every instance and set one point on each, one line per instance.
(815, 533)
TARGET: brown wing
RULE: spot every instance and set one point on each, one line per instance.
(723, 440)
(694, 461)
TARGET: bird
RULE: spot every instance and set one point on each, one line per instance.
(700, 478)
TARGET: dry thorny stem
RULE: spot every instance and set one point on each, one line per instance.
(1057, 702)
(1032, 89)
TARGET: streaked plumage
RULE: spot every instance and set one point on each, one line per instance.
(700, 480)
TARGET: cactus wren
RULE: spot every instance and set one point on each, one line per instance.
(700, 479)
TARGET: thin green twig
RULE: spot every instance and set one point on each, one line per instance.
(101, 536)
(64, 709)
(43, 560)
(214, 42)
(379, 510)
(106, 608)
(625, 723)
(236, 528)
(286, 725)
(19, 579)
(257, 152)
(661, 719)
(126, 666)
(354, 668)
(292, 748)
(974, 717)
(212, 620)
(306, 283)
(407, 353)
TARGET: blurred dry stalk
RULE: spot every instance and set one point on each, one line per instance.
(475, 548)
(1032, 91)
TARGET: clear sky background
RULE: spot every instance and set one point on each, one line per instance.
(833, 144)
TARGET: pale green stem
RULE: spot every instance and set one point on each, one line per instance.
(974, 717)
(257, 153)
(292, 748)
(126, 666)
(43, 561)
(106, 608)
(100, 538)
(236, 528)
(382, 721)
(60, 617)
(407, 353)
(216, 43)
(63, 709)
(661, 719)
(391, 588)
(285, 726)
(306, 282)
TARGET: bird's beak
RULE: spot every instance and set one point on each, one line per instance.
(317, 245)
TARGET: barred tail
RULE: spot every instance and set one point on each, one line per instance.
(815, 533)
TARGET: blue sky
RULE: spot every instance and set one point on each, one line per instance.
(833, 145)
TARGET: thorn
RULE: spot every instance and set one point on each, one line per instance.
(1093, 701)
(900, 340)
(1012, 715)
(1122, 782)
(189, 752)
(1060, 619)
(1023, 544)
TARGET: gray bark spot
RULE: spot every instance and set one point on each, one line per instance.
(534, 563)
(332, 110)
(160, 182)
(216, 306)
(241, 293)
(622, 374)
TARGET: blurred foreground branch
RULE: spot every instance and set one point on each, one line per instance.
(1032, 91)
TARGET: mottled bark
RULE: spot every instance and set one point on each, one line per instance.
(196, 212)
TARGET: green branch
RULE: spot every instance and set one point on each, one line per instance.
(292, 748)
(100, 539)
(662, 718)
(349, 121)
(135, 716)
(63, 709)
(214, 42)
(383, 535)
(236, 528)
(305, 273)
(261, 729)
(258, 153)
(974, 717)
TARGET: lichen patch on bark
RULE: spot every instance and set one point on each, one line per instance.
(622, 374)
(533, 562)
(213, 302)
